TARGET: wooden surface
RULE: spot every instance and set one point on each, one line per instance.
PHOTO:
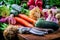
(35, 37)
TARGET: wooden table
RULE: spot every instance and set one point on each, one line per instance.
(35, 37)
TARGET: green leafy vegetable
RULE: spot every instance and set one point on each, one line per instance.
(4, 11)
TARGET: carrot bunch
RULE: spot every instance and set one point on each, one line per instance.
(25, 20)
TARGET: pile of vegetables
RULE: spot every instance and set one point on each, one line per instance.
(9, 7)
(25, 14)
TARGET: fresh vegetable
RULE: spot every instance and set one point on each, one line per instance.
(3, 26)
(4, 11)
(16, 7)
(46, 24)
(24, 5)
(39, 3)
(27, 18)
(27, 12)
(35, 3)
(10, 32)
(30, 2)
(35, 13)
(58, 18)
(24, 11)
(11, 19)
(14, 12)
(22, 21)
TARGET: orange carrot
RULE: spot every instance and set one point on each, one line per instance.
(22, 21)
(27, 18)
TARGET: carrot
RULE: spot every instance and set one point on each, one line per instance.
(22, 21)
(27, 18)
